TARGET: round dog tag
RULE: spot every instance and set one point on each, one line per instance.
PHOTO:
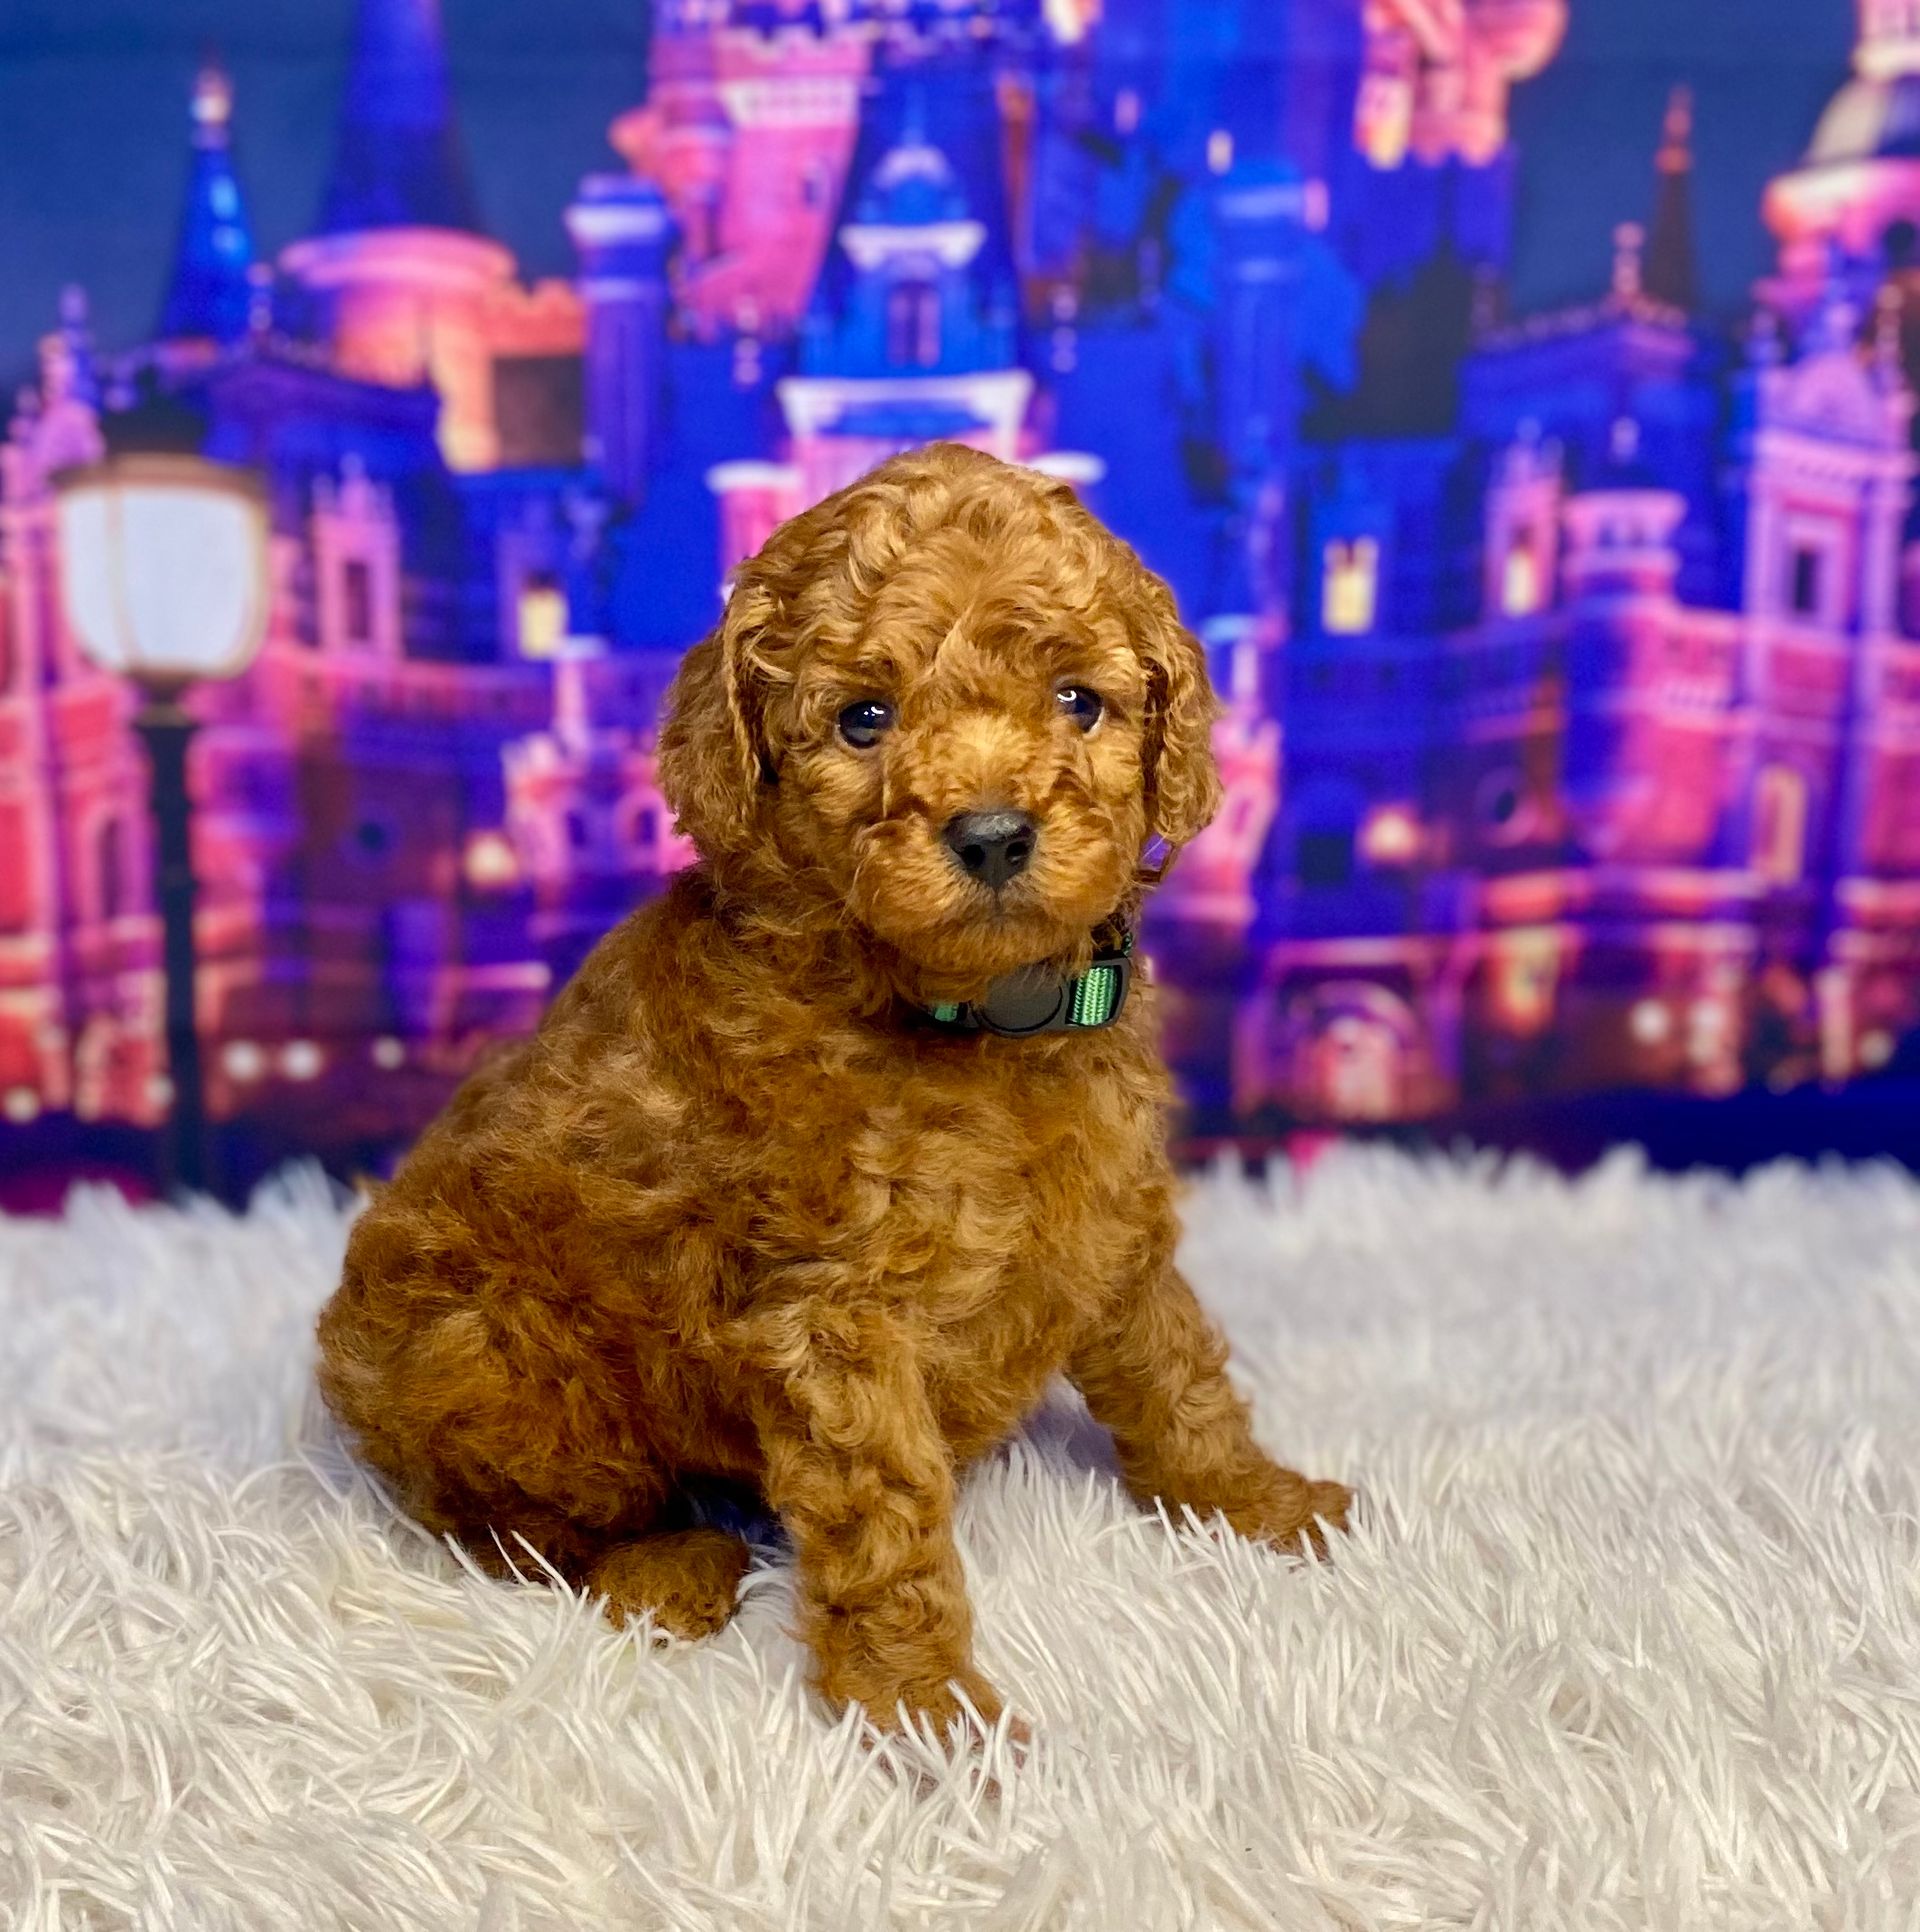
(1026, 1002)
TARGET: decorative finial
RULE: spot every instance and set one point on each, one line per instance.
(1064, 340)
(1521, 460)
(747, 371)
(1676, 142)
(66, 356)
(1629, 245)
(212, 102)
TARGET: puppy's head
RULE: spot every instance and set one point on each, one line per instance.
(950, 705)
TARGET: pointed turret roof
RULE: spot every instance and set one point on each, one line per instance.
(209, 294)
(1672, 266)
(399, 162)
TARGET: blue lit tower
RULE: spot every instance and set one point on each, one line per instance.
(208, 297)
(620, 230)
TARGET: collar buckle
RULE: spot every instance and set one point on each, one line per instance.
(1020, 1005)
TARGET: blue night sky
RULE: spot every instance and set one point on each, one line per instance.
(93, 136)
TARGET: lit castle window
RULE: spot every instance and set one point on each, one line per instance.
(542, 617)
(491, 863)
(1391, 836)
(1521, 589)
(1383, 119)
(1350, 586)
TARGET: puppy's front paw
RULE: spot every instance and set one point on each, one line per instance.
(892, 1704)
(1295, 1515)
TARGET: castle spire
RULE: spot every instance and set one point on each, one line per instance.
(208, 296)
(1672, 271)
(399, 162)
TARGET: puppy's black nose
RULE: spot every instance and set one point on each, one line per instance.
(992, 846)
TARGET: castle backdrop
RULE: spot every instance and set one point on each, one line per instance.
(1573, 738)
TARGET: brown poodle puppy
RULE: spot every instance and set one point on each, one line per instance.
(767, 1197)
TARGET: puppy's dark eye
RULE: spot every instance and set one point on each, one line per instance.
(864, 722)
(1080, 703)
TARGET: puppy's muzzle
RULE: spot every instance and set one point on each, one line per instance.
(992, 847)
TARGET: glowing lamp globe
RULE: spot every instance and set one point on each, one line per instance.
(163, 566)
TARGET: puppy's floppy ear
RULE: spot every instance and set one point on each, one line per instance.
(1182, 781)
(715, 764)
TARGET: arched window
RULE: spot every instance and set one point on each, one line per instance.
(1350, 586)
(1780, 825)
(913, 325)
(1521, 589)
(110, 870)
(356, 601)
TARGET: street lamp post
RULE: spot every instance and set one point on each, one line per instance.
(163, 579)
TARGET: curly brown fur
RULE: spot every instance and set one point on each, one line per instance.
(733, 1212)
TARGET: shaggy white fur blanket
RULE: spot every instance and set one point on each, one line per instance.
(1631, 1637)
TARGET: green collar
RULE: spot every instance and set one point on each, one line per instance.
(1019, 1005)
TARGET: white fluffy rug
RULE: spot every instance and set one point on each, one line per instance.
(1631, 1639)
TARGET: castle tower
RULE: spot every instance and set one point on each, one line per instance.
(619, 228)
(748, 131)
(1853, 203)
(210, 295)
(913, 334)
(1261, 213)
(399, 265)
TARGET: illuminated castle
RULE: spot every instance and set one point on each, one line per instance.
(1573, 725)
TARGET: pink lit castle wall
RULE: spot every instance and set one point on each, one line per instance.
(1572, 736)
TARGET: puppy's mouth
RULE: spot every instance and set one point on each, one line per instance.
(1004, 933)
(983, 937)
(966, 901)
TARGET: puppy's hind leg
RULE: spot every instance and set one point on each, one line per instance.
(686, 1579)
